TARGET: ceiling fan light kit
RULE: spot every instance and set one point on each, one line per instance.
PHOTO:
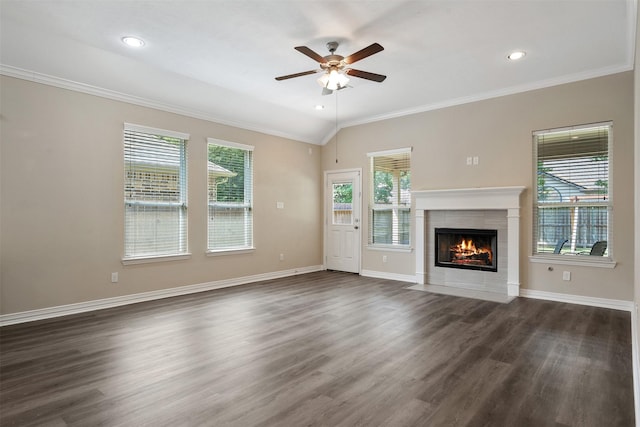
(333, 80)
(335, 67)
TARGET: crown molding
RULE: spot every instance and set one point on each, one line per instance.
(541, 84)
(36, 77)
(19, 73)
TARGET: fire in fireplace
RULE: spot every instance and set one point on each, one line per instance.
(473, 249)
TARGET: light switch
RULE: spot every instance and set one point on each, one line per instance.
(280, 205)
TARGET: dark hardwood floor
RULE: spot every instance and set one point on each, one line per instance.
(325, 348)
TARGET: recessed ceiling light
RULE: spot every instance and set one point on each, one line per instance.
(319, 107)
(518, 54)
(133, 41)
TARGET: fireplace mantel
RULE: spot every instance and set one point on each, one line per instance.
(487, 198)
(469, 198)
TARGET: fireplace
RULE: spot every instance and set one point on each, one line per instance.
(467, 248)
(481, 208)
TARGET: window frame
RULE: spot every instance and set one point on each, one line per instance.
(248, 193)
(395, 208)
(130, 257)
(569, 259)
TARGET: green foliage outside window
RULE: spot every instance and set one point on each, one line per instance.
(342, 193)
(382, 187)
(230, 189)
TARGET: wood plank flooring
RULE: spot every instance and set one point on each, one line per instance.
(321, 349)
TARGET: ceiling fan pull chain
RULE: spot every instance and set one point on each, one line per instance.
(336, 93)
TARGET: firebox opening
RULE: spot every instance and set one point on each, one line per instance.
(473, 249)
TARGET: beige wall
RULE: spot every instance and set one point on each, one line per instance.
(61, 210)
(62, 200)
(499, 132)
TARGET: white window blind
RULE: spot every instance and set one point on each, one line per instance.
(573, 197)
(155, 192)
(230, 199)
(390, 198)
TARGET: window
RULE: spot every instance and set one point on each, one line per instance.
(572, 208)
(342, 207)
(390, 198)
(155, 192)
(230, 188)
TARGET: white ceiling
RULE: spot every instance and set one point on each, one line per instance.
(218, 59)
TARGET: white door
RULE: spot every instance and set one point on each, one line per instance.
(342, 221)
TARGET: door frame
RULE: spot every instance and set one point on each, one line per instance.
(325, 210)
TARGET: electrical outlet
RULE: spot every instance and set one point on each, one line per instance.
(566, 275)
(384, 258)
(280, 205)
(114, 277)
(281, 257)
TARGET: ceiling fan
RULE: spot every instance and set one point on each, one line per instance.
(336, 67)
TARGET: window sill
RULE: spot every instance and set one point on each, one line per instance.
(389, 248)
(586, 260)
(151, 259)
(224, 252)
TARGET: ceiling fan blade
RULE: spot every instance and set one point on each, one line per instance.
(366, 75)
(311, 54)
(361, 54)
(304, 73)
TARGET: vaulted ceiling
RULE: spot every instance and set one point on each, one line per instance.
(218, 59)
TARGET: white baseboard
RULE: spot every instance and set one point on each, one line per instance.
(615, 304)
(513, 289)
(389, 276)
(82, 307)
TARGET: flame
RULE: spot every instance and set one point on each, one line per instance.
(468, 248)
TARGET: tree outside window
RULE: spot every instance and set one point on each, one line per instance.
(390, 201)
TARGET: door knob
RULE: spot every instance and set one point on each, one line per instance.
(356, 227)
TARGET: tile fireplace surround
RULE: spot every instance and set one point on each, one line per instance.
(490, 198)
